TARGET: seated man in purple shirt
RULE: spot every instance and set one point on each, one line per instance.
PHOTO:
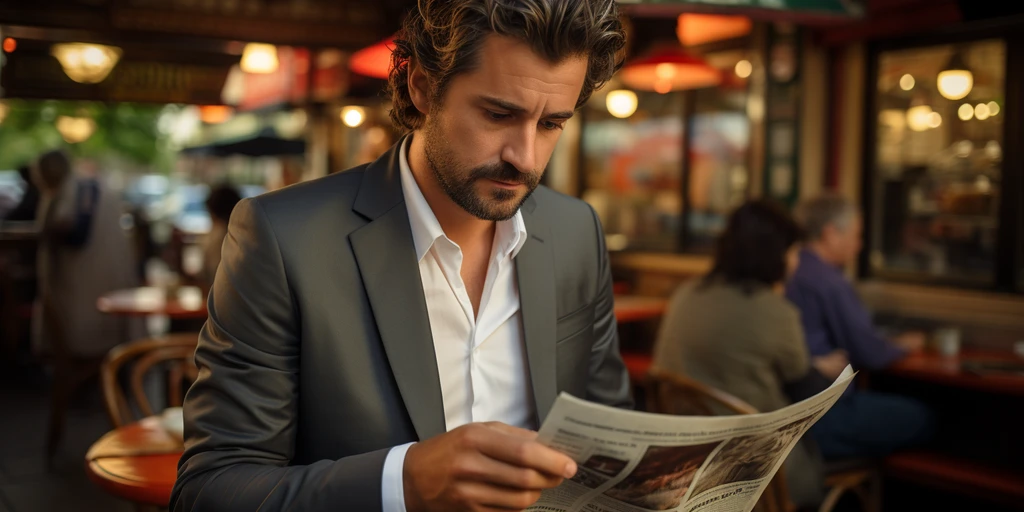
(835, 321)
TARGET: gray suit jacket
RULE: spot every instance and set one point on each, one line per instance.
(317, 357)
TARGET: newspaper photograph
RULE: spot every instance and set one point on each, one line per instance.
(631, 461)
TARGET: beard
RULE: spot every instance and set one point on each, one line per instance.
(460, 184)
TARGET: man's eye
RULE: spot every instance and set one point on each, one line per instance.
(497, 116)
(551, 125)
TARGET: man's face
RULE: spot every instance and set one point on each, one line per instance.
(489, 138)
(845, 242)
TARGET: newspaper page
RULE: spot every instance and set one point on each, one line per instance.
(632, 461)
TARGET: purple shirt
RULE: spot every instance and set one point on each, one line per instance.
(834, 317)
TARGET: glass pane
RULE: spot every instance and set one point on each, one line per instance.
(939, 161)
(633, 170)
(719, 151)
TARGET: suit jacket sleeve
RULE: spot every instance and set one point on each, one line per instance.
(609, 380)
(241, 414)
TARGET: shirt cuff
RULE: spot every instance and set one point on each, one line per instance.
(392, 487)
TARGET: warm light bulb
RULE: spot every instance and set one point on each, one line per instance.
(353, 116)
(744, 68)
(934, 120)
(215, 114)
(993, 108)
(621, 103)
(259, 58)
(919, 118)
(664, 71)
(75, 129)
(965, 112)
(86, 63)
(907, 82)
(955, 84)
(981, 111)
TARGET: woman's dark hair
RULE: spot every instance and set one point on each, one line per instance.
(221, 201)
(751, 252)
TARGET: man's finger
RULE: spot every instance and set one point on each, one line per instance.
(496, 497)
(528, 454)
(512, 431)
(482, 468)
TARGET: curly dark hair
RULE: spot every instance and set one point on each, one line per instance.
(751, 252)
(444, 38)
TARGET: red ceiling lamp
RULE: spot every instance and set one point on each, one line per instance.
(373, 61)
(669, 68)
(694, 29)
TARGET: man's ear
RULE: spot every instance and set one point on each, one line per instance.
(419, 87)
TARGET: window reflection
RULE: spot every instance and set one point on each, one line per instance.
(633, 164)
(633, 168)
(938, 166)
(718, 158)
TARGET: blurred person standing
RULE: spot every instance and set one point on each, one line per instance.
(83, 254)
(861, 423)
(219, 203)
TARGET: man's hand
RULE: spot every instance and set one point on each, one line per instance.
(831, 364)
(912, 342)
(481, 466)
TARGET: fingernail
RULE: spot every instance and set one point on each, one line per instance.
(570, 469)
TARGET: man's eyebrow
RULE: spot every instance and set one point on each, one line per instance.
(507, 105)
(512, 107)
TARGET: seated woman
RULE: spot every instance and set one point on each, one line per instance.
(734, 330)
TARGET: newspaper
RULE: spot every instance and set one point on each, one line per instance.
(633, 461)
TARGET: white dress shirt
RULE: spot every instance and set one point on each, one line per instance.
(481, 359)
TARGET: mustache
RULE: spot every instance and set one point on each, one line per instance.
(504, 172)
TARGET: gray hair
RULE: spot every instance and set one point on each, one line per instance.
(444, 38)
(815, 214)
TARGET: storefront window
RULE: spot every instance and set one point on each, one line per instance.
(718, 152)
(938, 166)
(633, 169)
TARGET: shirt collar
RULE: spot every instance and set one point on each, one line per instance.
(811, 260)
(510, 235)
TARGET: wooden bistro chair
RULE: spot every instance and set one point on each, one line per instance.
(172, 354)
(671, 393)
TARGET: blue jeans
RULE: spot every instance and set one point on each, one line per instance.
(870, 424)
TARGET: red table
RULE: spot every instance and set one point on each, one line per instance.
(953, 371)
(137, 462)
(184, 303)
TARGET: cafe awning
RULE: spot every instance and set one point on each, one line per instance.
(264, 143)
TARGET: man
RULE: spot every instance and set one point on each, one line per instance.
(385, 338)
(838, 325)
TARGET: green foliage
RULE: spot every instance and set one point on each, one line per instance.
(124, 131)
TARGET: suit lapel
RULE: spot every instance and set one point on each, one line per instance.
(387, 262)
(535, 274)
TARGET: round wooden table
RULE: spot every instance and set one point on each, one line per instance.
(186, 302)
(137, 462)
